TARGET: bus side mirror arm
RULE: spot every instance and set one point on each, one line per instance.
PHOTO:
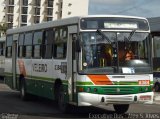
(78, 47)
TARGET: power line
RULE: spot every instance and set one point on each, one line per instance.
(136, 6)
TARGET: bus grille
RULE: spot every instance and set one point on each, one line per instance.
(118, 90)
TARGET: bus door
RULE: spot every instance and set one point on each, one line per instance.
(14, 58)
(71, 63)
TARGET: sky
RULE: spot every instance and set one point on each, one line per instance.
(142, 8)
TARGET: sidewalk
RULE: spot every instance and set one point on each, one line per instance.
(4, 87)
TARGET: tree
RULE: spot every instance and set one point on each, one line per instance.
(3, 28)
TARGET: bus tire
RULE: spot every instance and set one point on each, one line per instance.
(62, 104)
(56, 89)
(121, 108)
(157, 87)
(23, 94)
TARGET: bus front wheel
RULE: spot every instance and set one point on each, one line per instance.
(62, 103)
(121, 108)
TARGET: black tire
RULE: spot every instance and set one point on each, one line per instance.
(62, 103)
(23, 94)
(157, 87)
(56, 92)
(121, 108)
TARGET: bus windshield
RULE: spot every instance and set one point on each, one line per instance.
(114, 51)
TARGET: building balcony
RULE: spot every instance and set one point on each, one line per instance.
(37, 6)
(9, 13)
(9, 21)
(9, 5)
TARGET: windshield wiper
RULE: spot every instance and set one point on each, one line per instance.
(103, 35)
(131, 34)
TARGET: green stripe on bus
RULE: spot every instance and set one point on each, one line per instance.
(41, 78)
(38, 78)
(114, 83)
(115, 90)
(84, 83)
(125, 83)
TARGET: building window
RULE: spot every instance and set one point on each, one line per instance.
(50, 3)
(10, 18)
(24, 18)
(36, 19)
(60, 14)
(11, 2)
(37, 11)
(50, 11)
(25, 2)
(24, 10)
(2, 47)
(49, 18)
(10, 9)
(61, 5)
(37, 2)
(23, 24)
(10, 25)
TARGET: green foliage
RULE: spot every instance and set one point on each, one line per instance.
(3, 28)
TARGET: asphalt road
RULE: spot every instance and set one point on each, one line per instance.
(12, 107)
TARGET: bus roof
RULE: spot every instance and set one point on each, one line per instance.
(62, 22)
(50, 24)
(120, 16)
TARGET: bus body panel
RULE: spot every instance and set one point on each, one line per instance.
(88, 99)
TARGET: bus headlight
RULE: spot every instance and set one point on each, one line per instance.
(81, 89)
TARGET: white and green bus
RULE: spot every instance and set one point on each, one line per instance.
(82, 61)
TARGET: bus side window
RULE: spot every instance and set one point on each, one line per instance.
(28, 45)
(60, 43)
(20, 46)
(1, 49)
(37, 41)
(47, 44)
(9, 46)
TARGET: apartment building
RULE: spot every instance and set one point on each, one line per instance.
(16, 13)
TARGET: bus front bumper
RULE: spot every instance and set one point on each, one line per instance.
(88, 99)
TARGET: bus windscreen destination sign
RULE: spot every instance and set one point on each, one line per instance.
(120, 25)
(113, 23)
